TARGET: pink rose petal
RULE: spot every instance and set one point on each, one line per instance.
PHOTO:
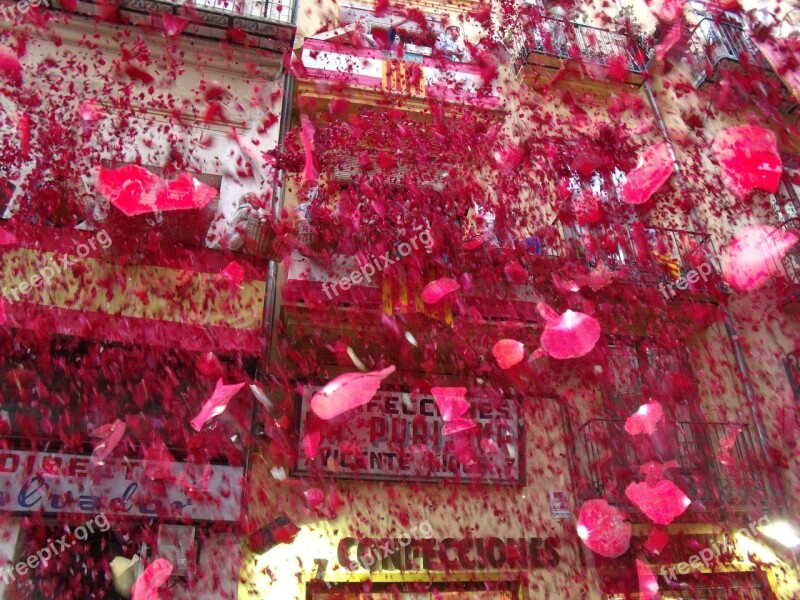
(655, 167)
(603, 528)
(233, 272)
(436, 290)
(111, 435)
(662, 502)
(451, 401)
(749, 158)
(458, 425)
(307, 136)
(217, 404)
(7, 238)
(570, 335)
(10, 67)
(648, 582)
(155, 575)
(346, 392)
(754, 255)
(645, 419)
(656, 541)
(508, 353)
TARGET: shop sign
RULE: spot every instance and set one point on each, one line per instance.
(50, 482)
(398, 436)
(559, 507)
(446, 555)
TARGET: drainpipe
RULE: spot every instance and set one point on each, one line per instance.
(270, 304)
(730, 324)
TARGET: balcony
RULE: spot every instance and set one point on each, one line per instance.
(547, 42)
(263, 24)
(717, 465)
(787, 279)
(651, 257)
(719, 45)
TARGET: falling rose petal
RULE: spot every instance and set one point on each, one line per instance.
(278, 473)
(457, 426)
(3, 315)
(346, 392)
(259, 395)
(233, 272)
(508, 353)
(314, 497)
(451, 401)
(90, 111)
(571, 335)
(311, 443)
(154, 576)
(754, 256)
(645, 419)
(654, 168)
(661, 503)
(656, 541)
(217, 404)
(509, 156)
(10, 67)
(7, 238)
(173, 25)
(515, 273)
(307, 136)
(648, 582)
(157, 464)
(654, 470)
(112, 435)
(436, 290)
(24, 135)
(603, 528)
(725, 456)
(208, 365)
(672, 37)
(668, 10)
(749, 159)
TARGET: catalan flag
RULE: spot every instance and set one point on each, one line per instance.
(672, 265)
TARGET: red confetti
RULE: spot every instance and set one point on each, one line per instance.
(603, 529)
(749, 158)
(662, 502)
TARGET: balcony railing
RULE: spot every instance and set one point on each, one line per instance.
(673, 253)
(717, 464)
(564, 40)
(714, 42)
(788, 269)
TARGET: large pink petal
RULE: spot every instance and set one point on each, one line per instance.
(508, 353)
(749, 159)
(648, 582)
(452, 401)
(655, 167)
(155, 575)
(645, 419)
(307, 137)
(571, 335)
(656, 541)
(346, 392)
(111, 435)
(603, 529)
(458, 425)
(754, 255)
(10, 66)
(662, 502)
(436, 290)
(217, 404)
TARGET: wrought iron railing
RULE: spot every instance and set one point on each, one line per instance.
(717, 463)
(672, 253)
(789, 267)
(714, 41)
(572, 41)
(281, 11)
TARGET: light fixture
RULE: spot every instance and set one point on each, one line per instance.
(781, 532)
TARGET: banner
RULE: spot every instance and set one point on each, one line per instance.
(32, 482)
(399, 436)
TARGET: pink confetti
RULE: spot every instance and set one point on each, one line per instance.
(154, 576)
(10, 67)
(346, 392)
(662, 502)
(233, 272)
(314, 497)
(217, 404)
(754, 256)
(307, 135)
(654, 169)
(7, 238)
(645, 419)
(656, 540)
(508, 353)
(749, 158)
(570, 335)
(90, 111)
(603, 528)
(436, 290)
(452, 404)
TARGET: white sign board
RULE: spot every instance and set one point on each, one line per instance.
(559, 507)
(51, 482)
